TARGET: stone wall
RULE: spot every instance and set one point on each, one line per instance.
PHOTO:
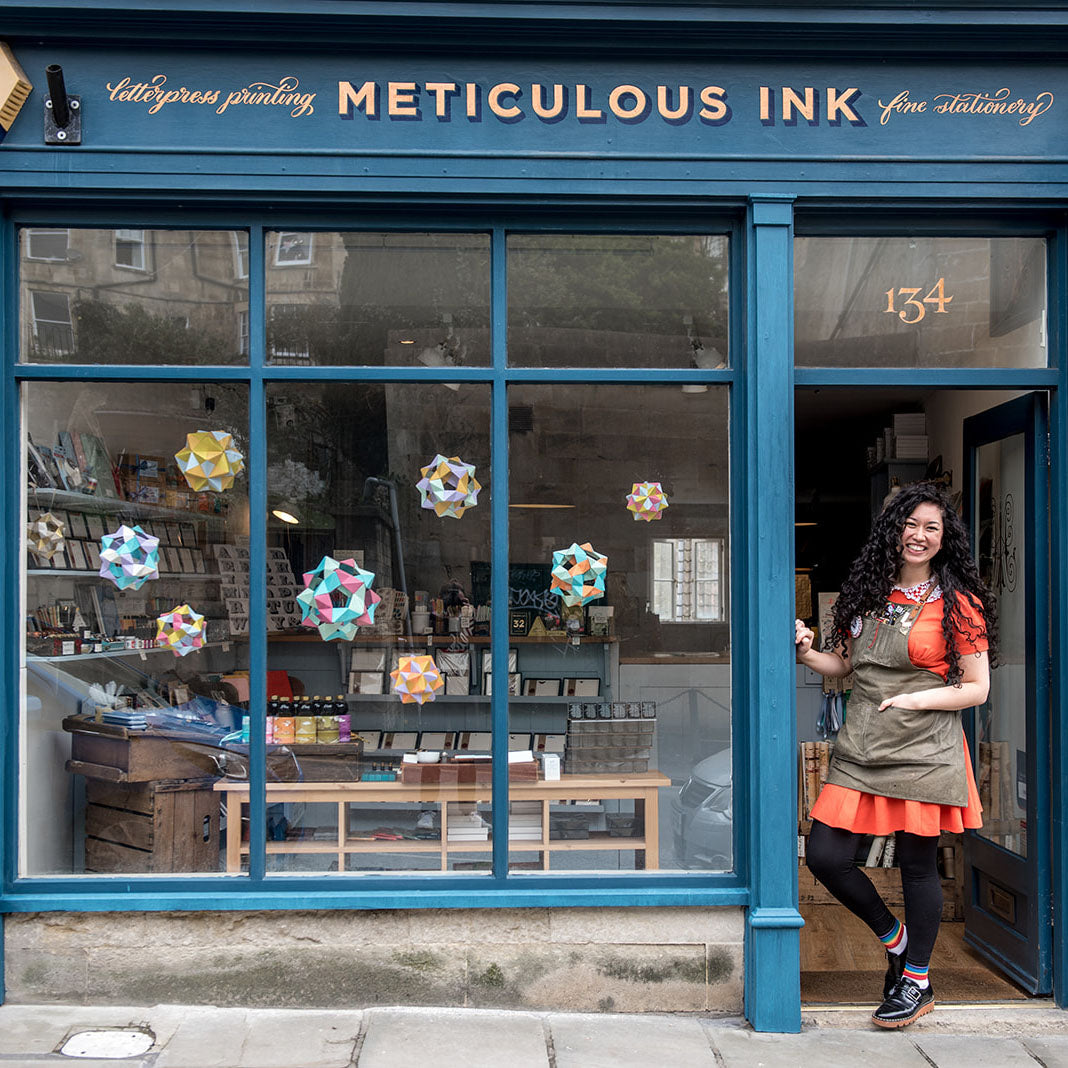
(610, 960)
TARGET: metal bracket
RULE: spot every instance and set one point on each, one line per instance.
(71, 133)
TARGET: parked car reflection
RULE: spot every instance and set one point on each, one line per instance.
(702, 816)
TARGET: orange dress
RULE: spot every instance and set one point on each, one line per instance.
(862, 813)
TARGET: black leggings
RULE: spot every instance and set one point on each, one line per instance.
(830, 857)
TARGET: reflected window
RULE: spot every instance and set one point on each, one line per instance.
(53, 331)
(688, 579)
(240, 255)
(48, 245)
(130, 249)
(289, 329)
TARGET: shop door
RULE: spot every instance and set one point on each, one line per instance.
(1007, 862)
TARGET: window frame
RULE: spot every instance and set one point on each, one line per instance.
(138, 243)
(719, 549)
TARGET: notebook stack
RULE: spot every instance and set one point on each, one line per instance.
(524, 821)
(466, 826)
(910, 436)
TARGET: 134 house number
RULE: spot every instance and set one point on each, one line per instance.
(912, 308)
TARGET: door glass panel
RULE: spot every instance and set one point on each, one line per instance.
(619, 669)
(1001, 726)
(644, 300)
(412, 300)
(133, 296)
(379, 509)
(920, 302)
(134, 683)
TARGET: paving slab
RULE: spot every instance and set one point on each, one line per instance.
(587, 1041)
(207, 1038)
(974, 1051)
(41, 1029)
(400, 1038)
(308, 1038)
(742, 1048)
(1051, 1050)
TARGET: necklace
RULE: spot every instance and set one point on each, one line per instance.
(915, 593)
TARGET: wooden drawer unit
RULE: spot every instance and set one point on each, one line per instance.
(170, 825)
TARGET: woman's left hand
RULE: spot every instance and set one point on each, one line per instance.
(902, 700)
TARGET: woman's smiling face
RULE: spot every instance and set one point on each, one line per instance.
(921, 537)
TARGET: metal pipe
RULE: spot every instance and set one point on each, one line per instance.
(57, 92)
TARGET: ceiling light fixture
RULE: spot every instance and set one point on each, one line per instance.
(286, 517)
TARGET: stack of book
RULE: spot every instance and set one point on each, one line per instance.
(813, 768)
(524, 821)
(466, 826)
(910, 436)
(133, 719)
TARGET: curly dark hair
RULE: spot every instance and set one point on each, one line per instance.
(875, 571)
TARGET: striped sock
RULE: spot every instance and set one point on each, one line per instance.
(896, 939)
(918, 974)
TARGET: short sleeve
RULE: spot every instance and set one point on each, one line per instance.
(971, 634)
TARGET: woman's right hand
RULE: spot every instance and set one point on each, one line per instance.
(803, 638)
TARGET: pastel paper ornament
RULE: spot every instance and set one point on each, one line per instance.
(129, 557)
(647, 501)
(181, 630)
(209, 460)
(578, 574)
(45, 536)
(337, 598)
(416, 679)
(448, 486)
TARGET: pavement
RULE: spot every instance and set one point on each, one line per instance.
(197, 1036)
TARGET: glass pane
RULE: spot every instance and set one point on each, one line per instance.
(620, 714)
(580, 300)
(414, 300)
(134, 682)
(920, 302)
(380, 488)
(133, 296)
(1001, 726)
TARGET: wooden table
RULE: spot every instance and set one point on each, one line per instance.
(641, 788)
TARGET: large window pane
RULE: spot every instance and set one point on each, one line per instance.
(124, 736)
(920, 302)
(133, 296)
(374, 298)
(580, 300)
(624, 701)
(385, 488)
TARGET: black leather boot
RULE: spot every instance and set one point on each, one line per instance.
(895, 965)
(906, 1003)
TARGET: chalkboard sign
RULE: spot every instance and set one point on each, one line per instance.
(528, 586)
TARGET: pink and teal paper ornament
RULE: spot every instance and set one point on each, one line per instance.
(647, 501)
(129, 557)
(448, 486)
(578, 574)
(337, 598)
(416, 679)
(181, 630)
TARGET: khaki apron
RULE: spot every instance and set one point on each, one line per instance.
(916, 755)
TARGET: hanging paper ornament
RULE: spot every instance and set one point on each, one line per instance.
(129, 557)
(337, 598)
(647, 501)
(578, 574)
(45, 536)
(416, 679)
(181, 630)
(209, 460)
(448, 486)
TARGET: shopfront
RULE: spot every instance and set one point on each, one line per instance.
(420, 436)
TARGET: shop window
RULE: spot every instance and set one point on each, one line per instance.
(688, 579)
(414, 300)
(47, 245)
(599, 685)
(53, 331)
(134, 555)
(184, 312)
(130, 249)
(293, 249)
(584, 300)
(920, 302)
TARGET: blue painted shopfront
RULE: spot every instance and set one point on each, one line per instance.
(762, 124)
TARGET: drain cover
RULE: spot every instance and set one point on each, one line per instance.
(111, 1043)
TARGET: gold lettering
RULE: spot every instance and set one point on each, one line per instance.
(641, 102)
(537, 102)
(440, 92)
(582, 104)
(840, 106)
(350, 99)
(681, 110)
(402, 102)
(765, 104)
(715, 106)
(494, 100)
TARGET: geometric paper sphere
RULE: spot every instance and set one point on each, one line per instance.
(129, 557)
(647, 501)
(209, 460)
(578, 574)
(337, 597)
(416, 679)
(44, 535)
(181, 630)
(448, 486)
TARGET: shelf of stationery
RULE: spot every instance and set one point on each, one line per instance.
(57, 498)
(31, 658)
(60, 572)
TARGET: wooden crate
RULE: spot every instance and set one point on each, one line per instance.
(107, 751)
(164, 826)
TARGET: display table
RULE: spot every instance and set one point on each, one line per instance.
(641, 788)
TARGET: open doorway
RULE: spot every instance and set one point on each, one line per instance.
(853, 447)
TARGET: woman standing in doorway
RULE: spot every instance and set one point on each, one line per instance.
(918, 627)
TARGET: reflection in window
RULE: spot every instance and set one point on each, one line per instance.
(49, 245)
(53, 331)
(288, 332)
(688, 579)
(130, 249)
(240, 254)
(293, 249)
